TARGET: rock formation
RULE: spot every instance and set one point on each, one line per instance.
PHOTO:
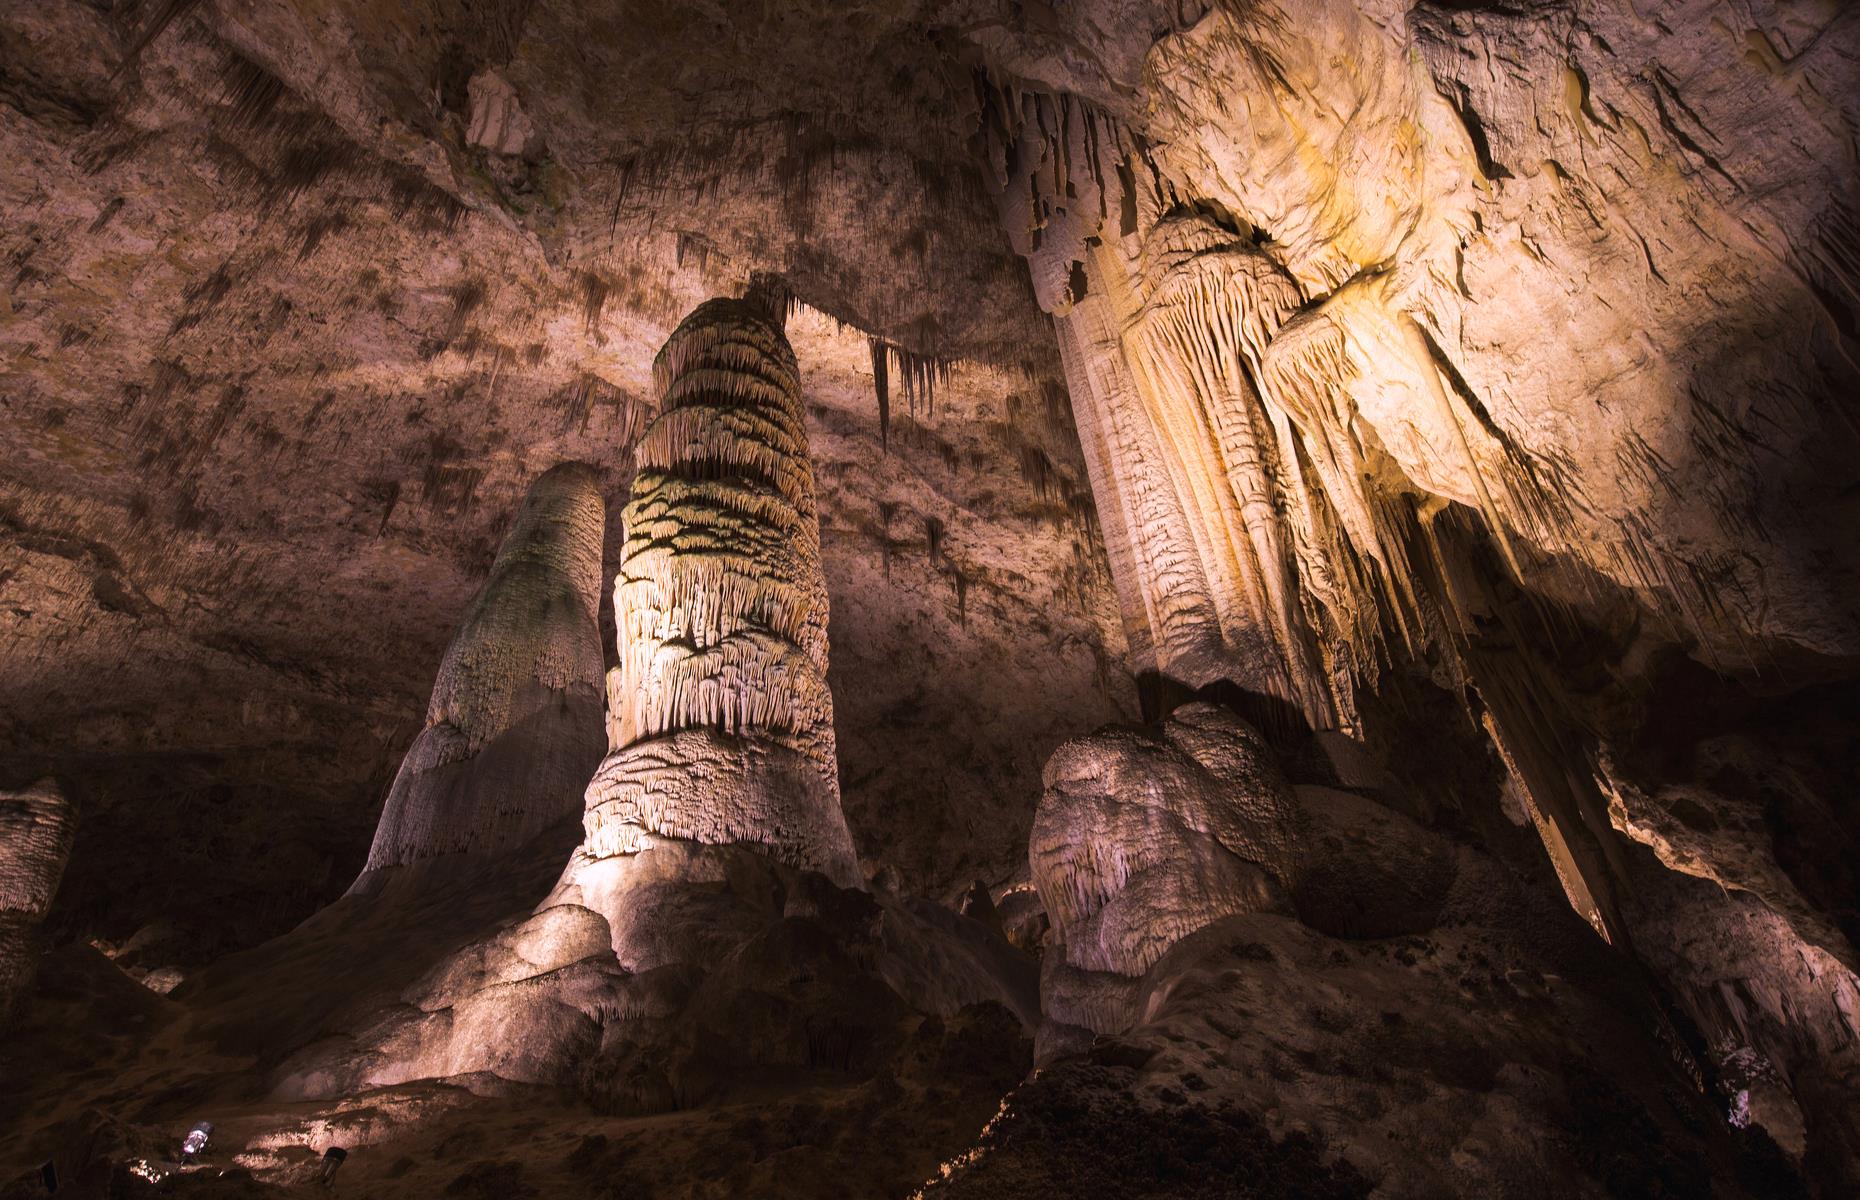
(1294, 341)
(513, 727)
(1371, 980)
(1141, 839)
(1458, 394)
(705, 924)
(36, 830)
(720, 724)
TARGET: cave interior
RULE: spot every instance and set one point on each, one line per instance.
(963, 599)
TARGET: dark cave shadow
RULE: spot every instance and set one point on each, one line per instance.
(1281, 723)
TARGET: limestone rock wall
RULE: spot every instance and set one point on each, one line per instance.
(513, 728)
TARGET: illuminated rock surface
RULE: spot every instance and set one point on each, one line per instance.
(1142, 838)
(720, 723)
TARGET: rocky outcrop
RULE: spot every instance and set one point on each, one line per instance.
(1406, 1016)
(1143, 837)
(498, 122)
(514, 726)
(37, 827)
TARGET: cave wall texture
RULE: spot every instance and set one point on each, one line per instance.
(1462, 392)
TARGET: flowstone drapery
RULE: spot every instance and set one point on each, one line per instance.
(1377, 389)
(1291, 460)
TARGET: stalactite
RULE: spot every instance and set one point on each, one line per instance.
(1163, 592)
(413, 195)
(1200, 318)
(881, 384)
(1038, 472)
(594, 292)
(1523, 720)
(917, 374)
(250, 92)
(693, 247)
(887, 510)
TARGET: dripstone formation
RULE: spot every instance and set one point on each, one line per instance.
(720, 723)
(1141, 840)
(704, 936)
(514, 723)
(1335, 520)
(37, 826)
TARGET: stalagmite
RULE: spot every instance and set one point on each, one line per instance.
(720, 722)
(514, 725)
(1144, 836)
(37, 826)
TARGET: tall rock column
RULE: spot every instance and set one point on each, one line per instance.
(720, 723)
(514, 725)
(36, 829)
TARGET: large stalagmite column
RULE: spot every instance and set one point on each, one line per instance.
(719, 720)
(36, 829)
(514, 725)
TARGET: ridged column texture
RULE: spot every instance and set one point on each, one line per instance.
(514, 726)
(720, 723)
(36, 829)
(1161, 585)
